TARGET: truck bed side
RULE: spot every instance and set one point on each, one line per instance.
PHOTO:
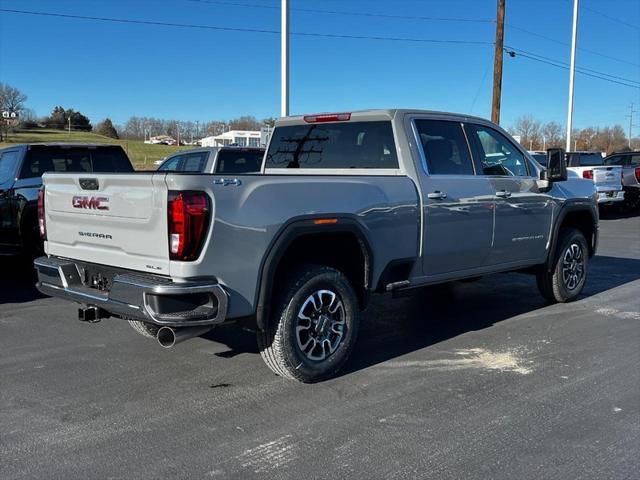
(250, 216)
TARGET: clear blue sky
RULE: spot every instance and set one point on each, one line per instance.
(119, 70)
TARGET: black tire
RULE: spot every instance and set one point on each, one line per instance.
(281, 342)
(145, 329)
(552, 279)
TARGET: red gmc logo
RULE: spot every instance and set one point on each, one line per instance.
(93, 203)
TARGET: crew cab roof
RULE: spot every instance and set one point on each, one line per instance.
(70, 145)
(380, 114)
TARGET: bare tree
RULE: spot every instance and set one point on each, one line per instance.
(11, 100)
(552, 135)
(529, 130)
(246, 122)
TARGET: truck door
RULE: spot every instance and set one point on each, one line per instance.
(523, 214)
(457, 204)
(8, 225)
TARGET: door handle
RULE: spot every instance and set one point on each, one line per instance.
(437, 195)
(503, 194)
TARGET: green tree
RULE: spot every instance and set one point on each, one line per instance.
(106, 128)
(62, 119)
(57, 119)
(79, 121)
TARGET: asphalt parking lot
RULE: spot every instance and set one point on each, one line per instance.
(479, 380)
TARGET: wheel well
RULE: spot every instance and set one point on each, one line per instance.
(583, 221)
(343, 251)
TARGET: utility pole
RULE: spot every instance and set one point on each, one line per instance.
(631, 112)
(497, 63)
(284, 54)
(572, 72)
(69, 125)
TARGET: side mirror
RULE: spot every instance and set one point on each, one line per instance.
(556, 165)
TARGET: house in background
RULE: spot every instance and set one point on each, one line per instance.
(241, 138)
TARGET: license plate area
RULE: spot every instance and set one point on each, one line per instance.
(96, 277)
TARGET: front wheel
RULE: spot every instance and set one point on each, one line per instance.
(313, 327)
(565, 278)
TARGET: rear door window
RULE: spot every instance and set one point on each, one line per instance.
(194, 162)
(171, 165)
(348, 145)
(239, 161)
(8, 164)
(445, 147)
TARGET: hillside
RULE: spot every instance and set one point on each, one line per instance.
(141, 154)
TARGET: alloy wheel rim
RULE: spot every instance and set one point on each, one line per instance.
(572, 266)
(320, 325)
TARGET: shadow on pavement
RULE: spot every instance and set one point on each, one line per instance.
(395, 327)
(617, 213)
(17, 280)
(443, 312)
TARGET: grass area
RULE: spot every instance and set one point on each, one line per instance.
(141, 154)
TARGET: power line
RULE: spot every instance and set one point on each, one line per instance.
(581, 67)
(408, 17)
(560, 42)
(583, 70)
(515, 52)
(343, 12)
(251, 30)
(609, 17)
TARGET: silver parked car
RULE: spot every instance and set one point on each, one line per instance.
(221, 160)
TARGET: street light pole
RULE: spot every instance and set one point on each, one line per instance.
(284, 53)
(572, 71)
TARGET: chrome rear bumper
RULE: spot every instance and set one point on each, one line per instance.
(150, 298)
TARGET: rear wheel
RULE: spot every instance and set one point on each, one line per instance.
(145, 329)
(564, 280)
(313, 327)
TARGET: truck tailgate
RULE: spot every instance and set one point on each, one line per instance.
(112, 219)
(608, 177)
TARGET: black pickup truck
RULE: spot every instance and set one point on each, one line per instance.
(21, 169)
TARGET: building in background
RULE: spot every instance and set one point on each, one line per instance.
(241, 138)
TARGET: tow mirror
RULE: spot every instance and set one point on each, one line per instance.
(556, 165)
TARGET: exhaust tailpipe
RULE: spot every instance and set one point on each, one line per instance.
(170, 336)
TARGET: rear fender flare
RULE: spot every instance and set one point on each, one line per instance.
(294, 229)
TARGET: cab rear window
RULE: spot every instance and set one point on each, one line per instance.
(585, 159)
(40, 160)
(239, 161)
(333, 146)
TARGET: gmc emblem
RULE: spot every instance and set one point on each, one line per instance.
(92, 203)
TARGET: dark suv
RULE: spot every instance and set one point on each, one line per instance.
(21, 169)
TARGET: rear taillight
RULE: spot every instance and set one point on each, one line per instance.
(42, 225)
(588, 174)
(188, 215)
(638, 174)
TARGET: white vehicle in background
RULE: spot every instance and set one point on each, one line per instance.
(539, 156)
(607, 178)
